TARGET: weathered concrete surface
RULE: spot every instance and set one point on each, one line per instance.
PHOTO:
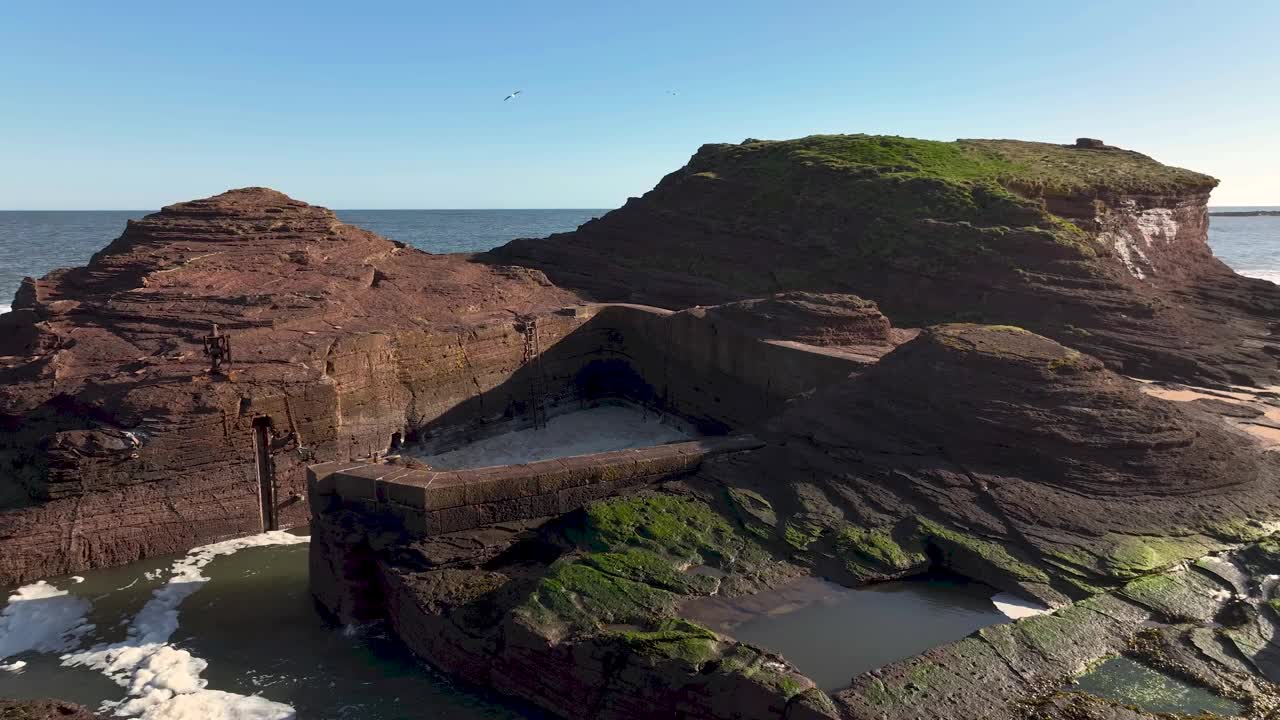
(426, 502)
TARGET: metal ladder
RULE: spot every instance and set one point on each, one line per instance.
(537, 380)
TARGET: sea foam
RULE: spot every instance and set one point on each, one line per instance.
(41, 618)
(163, 681)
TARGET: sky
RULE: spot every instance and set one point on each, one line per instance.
(137, 104)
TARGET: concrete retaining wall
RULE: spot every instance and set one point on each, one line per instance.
(427, 502)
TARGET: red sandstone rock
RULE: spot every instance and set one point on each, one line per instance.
(1058, 472)
(44, 710)
(117, 442)
(1104, 250)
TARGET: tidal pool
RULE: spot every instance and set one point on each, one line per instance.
(833, 633)
(246, 630)
(1129, 682)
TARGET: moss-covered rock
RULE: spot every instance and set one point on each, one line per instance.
(875, 553)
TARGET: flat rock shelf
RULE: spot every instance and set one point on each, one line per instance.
(607, 427)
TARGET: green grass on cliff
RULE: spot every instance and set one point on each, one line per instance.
(1024, 167)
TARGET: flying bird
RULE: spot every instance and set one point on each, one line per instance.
(511, 96)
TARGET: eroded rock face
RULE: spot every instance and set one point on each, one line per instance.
(117, 443)
(1009, 458)
(823, 319)
(580, 614)
(44, 710)
(1099, 248)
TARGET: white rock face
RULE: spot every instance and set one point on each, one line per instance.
(1139, 235)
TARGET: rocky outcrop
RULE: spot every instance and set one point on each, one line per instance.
(43, 710)
(825, 320)
(578, 615)
(1099, 248)
(1007, 457)
(1212, 625)
(117, 442)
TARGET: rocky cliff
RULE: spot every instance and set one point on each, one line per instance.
(117, 442)
(1099, 248)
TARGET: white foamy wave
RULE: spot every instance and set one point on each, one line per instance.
(5, 308)
(1015, 607)
(163, 681)
(39, 617)
(1261, 274)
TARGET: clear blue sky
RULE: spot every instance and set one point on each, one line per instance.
(399, 105)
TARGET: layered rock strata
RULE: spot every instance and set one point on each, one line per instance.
(118, 443)
(1010, 458)
(1099, 248)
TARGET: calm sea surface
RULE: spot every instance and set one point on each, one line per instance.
(35, 242)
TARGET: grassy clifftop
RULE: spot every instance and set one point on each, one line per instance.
(1022, 166)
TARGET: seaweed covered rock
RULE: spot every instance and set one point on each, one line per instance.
(1101, 248)
(579, 614)
(1196, 642)
(1008, 457)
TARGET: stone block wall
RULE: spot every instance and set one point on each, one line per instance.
(421, 502)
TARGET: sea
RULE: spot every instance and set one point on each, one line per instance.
(34, 242)
(229, 630)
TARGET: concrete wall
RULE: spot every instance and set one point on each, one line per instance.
(421, 502)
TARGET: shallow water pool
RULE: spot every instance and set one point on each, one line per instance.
(1129, 682)
(833, 633)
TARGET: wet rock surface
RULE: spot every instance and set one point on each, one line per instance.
(43, 710)
(1190, 625)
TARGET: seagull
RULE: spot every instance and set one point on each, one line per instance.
(511, 96)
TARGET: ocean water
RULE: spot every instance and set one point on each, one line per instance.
(1250, 245)
(225, 632)
(34, 242)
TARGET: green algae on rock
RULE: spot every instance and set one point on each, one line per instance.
(1129, 682)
